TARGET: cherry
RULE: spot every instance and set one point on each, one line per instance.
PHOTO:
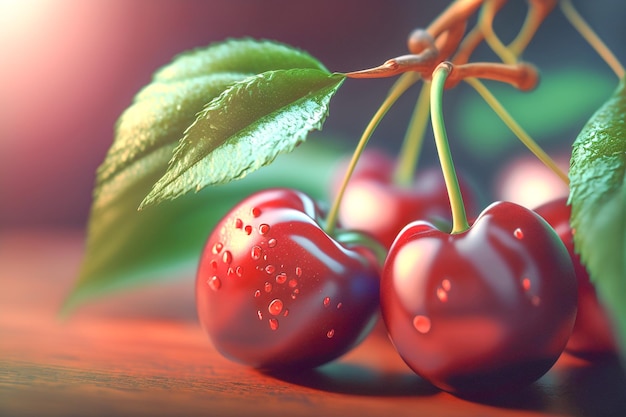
(373, 203)
(488, 308)
(592, 334)
(274, 290)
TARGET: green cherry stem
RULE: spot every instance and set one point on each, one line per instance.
(516, 128)
(459, 218)
(403, 83)
(413, 140)
(591, 37)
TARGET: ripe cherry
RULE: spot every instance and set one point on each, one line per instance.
(273, 290)
(485, 309)
(373, 203)
(592, 334)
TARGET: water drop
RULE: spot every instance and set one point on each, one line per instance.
(217, 248)
(267, 287)
(326, 301)
(526, 284)
(256, 212)
(446, 285)
(259, 314)
(293, 283)
(281, 278)
(273, 324)
(271, 243)
(298, 271)
(227, 257)
(238, 223)
(270, 269)
(257, 293)
(214, 264)
(215, 283)
(264, 229)
(255, 252)
(421, 324)
(330, 333)
(518, 233)
(285, 313)
(248, 229)
(239, 271)
(339, 305)
(230, 271)
(275, 307)
(442, 294)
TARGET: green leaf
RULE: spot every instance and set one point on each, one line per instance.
(598, 200)
(564, 97)
(246, 127)
(127, 248)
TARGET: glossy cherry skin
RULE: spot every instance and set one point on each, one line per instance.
(274, 291)
(374, 204)
(484, 310)
(592, 334)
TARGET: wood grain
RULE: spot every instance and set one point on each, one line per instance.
(143, 353)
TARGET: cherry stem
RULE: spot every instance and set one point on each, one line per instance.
(414, 139)
(537, 12)
(591, 37)
(399, 87)
(516, 128)
(459, 218)
(487, 14)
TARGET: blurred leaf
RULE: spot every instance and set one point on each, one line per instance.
(127, 248)
(598, 200)
(564, 97)
(246, 128)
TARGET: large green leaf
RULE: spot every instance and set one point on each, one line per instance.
(598, 200)
(246, 127)
(127, 248)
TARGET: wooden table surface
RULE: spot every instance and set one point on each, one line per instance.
(143, 353)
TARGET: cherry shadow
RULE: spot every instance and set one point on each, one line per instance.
(347, 378)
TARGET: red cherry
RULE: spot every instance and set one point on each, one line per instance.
(273, 290)
(592, 334)
(374, 204)
(486, 309)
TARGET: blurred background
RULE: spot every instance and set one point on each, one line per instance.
(68, 68)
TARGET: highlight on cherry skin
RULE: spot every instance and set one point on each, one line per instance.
(484, 310)
(592, 335)
(373, 203)
(274, 291)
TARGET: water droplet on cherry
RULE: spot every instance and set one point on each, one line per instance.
(238, 223)
(339, 305)
(256, 212)
(326, 301)
(526, 284)
(271, 243)
(285, 313)
(518, 233)
(227, 257)
(239, 271)
(421, 324)
(214, 283)
(270, 269)
(442, 294)
(330, 333)
(293, 283)
(264, 229)
(217, 248)
(257, 293)
(273, 324)
(214, 264)
(298, 271)
(259, 314)
(281, 278)
(275, 307)
(267, 287)
(248, 229)
(446, 285)
(255, 252)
